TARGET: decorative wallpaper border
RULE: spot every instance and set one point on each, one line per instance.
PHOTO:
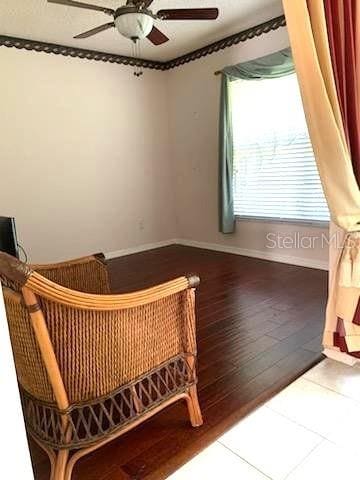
(273, 24)
(37, 46)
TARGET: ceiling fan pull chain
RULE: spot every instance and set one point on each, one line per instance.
(138, 72)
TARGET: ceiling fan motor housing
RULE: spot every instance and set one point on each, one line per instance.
(134, 22)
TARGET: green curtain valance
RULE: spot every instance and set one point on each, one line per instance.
(276, 65)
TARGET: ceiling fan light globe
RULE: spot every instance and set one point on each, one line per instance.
(134, 25)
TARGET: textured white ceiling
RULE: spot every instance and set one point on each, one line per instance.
(39, 20)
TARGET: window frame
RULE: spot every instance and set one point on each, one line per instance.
(290, 221)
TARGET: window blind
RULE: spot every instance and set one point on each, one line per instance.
(275, 173)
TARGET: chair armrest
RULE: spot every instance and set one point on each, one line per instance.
(88, 301)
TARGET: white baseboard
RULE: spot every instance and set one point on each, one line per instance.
(271, 256)
(139, 248)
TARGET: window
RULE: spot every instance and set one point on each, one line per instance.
(275, 173)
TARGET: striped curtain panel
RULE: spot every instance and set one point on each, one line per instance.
(324, 36)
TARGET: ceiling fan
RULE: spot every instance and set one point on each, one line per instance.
(135, 21)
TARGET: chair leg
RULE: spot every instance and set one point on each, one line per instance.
(194, 407)
(60, 465)
(52, 471)
(69, 469)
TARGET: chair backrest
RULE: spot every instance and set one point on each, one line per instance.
(87, 274)
(100, 342)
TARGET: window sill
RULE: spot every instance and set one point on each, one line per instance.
(289, 221)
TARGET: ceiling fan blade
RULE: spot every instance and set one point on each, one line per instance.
(88, 6)
(156, 37)
(144, 3)
(96, 30)
(189, 14)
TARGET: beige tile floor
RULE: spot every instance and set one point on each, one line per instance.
(309, 431)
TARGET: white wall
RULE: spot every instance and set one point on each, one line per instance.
(94, 159)
(84, 155)
(194, 112)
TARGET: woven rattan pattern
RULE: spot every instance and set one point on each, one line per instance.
(109, 349)
(89, 275)
(86, 275)
(30, 368)
(87, 423)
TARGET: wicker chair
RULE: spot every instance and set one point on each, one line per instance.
(92, 365)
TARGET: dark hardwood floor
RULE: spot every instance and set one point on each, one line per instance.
(258, 328)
